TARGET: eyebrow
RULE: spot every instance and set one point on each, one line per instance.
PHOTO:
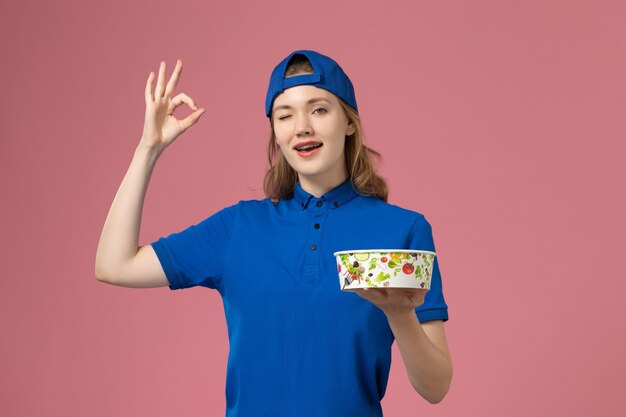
(313, 100)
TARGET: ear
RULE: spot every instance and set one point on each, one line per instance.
(350, 129)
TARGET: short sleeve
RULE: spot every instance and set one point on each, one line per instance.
(195, 256)
(434, 306)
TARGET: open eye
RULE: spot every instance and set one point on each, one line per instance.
(321, 108)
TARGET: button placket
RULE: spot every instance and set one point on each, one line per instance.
(319, 209)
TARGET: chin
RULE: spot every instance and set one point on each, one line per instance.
(305, 169)
(308, 173)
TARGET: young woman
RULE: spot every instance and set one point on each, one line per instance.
(299, 346)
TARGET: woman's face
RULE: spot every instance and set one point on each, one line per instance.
(303, 115)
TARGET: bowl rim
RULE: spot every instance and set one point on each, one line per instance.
(384, 251)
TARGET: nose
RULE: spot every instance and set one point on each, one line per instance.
(303, 126)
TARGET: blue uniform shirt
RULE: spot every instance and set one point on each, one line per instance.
(299, 346)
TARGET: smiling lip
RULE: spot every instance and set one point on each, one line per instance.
(308, 153)
(306, 142)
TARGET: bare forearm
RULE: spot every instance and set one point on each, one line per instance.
(428, 368)
(120, 234)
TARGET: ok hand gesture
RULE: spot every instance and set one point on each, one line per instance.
(160, 127)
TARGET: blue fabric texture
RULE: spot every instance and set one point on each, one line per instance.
(299, 346)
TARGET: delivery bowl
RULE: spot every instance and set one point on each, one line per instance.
(384, 268)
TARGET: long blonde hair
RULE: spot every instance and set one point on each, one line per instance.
(280, 179)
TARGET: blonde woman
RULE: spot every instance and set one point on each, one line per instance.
(299, 346)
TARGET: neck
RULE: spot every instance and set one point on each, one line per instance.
(318, 186)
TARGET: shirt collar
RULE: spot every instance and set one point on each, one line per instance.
(336, 197)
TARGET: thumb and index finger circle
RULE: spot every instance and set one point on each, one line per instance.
(193, 117)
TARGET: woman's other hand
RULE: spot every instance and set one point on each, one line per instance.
(394, 301)
(160, 127)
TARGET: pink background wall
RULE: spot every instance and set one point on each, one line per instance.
(519, 105)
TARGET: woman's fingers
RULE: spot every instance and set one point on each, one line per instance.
(373, 296)
(148, 92)
(193, 117)
(160, 86)
(190, 120)
(393, 294)
(171, 85)
(160, 126)
(161, 89)
(184, 98)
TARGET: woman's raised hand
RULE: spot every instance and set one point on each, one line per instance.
(160, 127)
